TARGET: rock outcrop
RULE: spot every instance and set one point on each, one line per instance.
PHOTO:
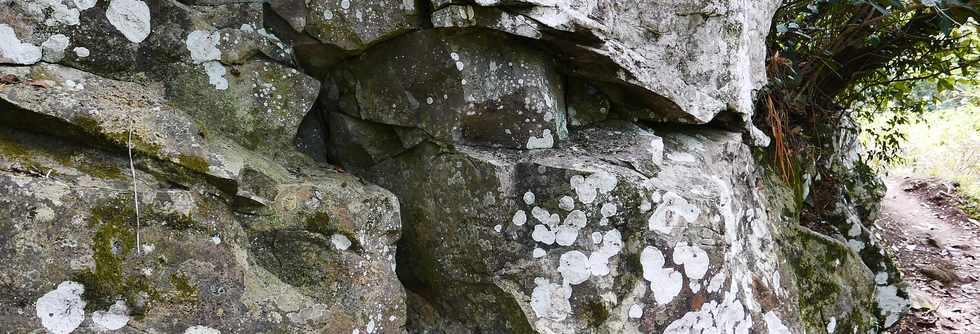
(443, 166)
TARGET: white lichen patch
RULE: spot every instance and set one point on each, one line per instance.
(566, 203)
(588, 188)
(670, 212)
(538, 253)
(832, 325)
(13, 51)
(666, 283)
(84, 4)
(566, 235)
(726, 317)
(635, 311)
(340, 241)
(694, 259)
(201, 330)
(892, 306)
(529, 198)
(774, 324)
(543, 234)
(612, 244)
(550, 300)
(81, 52)
(53, 49)
(131, 18)
(216, 75)
(62, 310)
(203, 46)
(545, 141)
(714, 285)
(608, 210)
(574, 267)
(115, 318)
(520, 217)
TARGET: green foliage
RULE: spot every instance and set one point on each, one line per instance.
(871, 58)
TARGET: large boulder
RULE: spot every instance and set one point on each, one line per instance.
(122, 212)
(684, 61)
(457, 87)
(622, 229)
(215, 62)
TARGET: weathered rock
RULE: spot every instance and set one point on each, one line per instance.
(350, 25)
(529, 143)
(676, 61)
(227, 239)
(620, 230)
(458, 87)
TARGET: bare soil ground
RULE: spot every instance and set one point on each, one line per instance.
(938, 249)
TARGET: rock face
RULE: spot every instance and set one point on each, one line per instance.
(522, 166)
(212, 223)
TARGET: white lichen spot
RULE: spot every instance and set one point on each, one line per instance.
(53, 49)
(636, 311)
(538, 253)
(84, 4)
(529, 198)
(645, 206)
(13, 51)
(550, 300)
(203, 46)
(131, 18)
(520, 217)
(542, 215)
(201, 330)
(216, 239)
(588, 188)
(694, 259)
(370, 326)
(576, 218)
(543, 234)
(546, 141)
(656, 150)
(216, 74)
(612, 244)
(881, 278)
(669, 212)
(113, 319)
(666, 283)
(81, 52)
(716, 282)
(608, 210)
(498, 228)
(727, 317)
(832, 325)
(891, 305)
(774, 324)
(62, 310)
(345, 4)
(340, 241)
(855, 245)
(574, 267)
(596, 237)
(566, 235)
(566, 203)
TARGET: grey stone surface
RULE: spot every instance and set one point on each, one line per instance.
(518, 167)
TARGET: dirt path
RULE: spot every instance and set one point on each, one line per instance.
(938, 250)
